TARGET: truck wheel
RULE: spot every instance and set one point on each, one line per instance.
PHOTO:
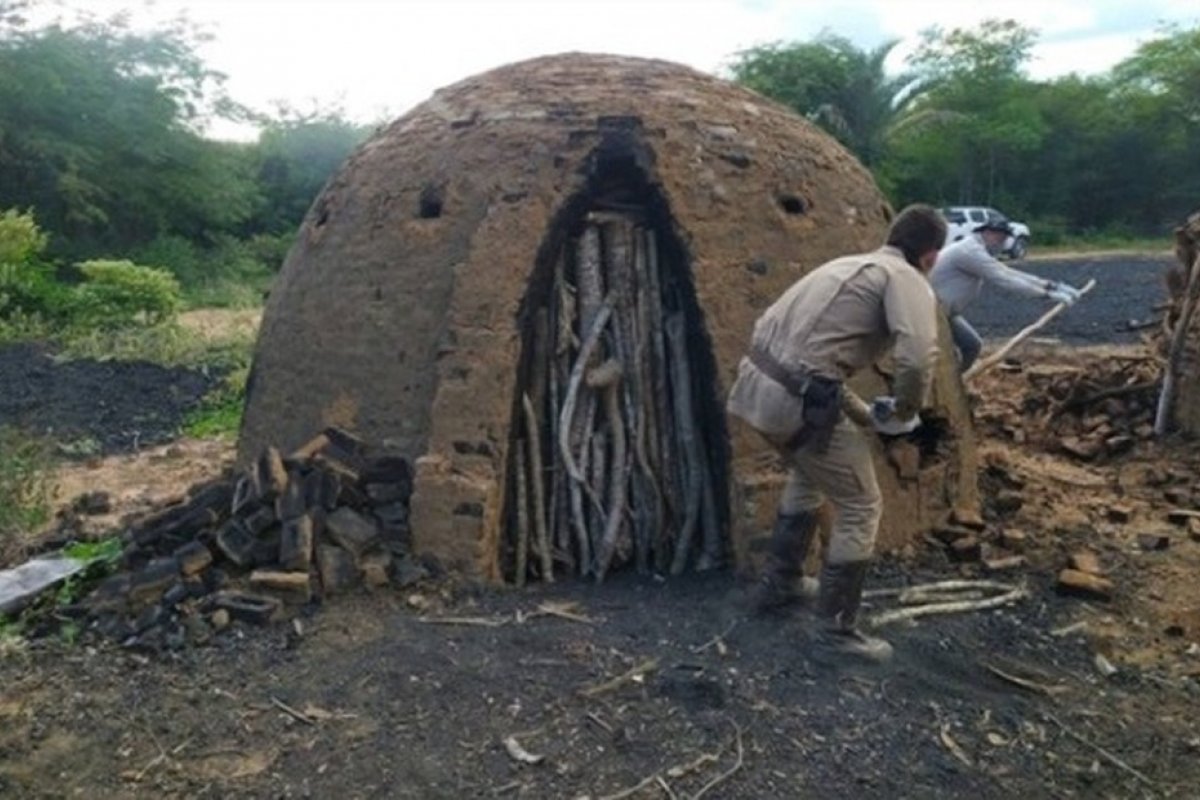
(1020, 247)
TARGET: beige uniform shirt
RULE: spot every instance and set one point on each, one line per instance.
(834, 321)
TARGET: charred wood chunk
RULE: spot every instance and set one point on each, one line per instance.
(377, 569)
(352, 531)
(193, 558)
(347, 442)
(266, 546)
(259, 520)
(390, 469)
(257, 609)
(296, 543)
(236, 543)
(149, 583)
(310, 448)
(337, 569)
(243, 495)
(290, 502)
(295, 587)
(270, 476)
(381, 493)
(321, 489)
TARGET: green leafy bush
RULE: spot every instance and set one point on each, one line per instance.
(26, 485)
(21, 242)
(229, 273)
(121, 294)
(220, 412)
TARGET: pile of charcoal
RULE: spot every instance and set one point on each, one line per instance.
(258, 546)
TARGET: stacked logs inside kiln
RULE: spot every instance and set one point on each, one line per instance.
(611, 463)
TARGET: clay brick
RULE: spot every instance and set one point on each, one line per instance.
(1181, 516)
(1072, 581)
(968, 548)
(1120, 513)
(1013, 538)
(1086, 561)
(1153, 541)
(352, 530)
(296, 543)
(336, 566)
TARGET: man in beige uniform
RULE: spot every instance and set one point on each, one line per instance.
(831, 323)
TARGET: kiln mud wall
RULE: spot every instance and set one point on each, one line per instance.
(396, 313)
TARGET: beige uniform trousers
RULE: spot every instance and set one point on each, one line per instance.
(845, 474)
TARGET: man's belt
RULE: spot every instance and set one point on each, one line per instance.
(795, 381)
(821, 398)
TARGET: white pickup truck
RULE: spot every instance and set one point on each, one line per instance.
(961, 220)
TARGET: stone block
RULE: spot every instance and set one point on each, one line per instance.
(337, 569)
(352, 531)
(1085, 584)
(296, 543)
(193, 558)
(236, 543)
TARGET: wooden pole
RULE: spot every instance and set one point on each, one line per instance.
(533, 429)
(522, 514)
(995, 358)
(685, 423)
(1166, 397)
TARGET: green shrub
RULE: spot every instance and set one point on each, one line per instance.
(26, 486)
(120, 294)
(229, 273)
(220, 412)
(21, 242)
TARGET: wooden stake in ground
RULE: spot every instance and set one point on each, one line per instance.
(689, 444)
(1166, 398)
(522, 514)
(608, 377)
(995, 358)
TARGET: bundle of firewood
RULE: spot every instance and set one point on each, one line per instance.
(611, 462)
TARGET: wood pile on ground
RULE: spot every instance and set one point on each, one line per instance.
(1093, 411)
(257, 545)
(612, 462)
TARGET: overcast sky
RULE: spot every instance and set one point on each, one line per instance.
(378, 58)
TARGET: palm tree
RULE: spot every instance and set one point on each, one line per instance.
(829, 80)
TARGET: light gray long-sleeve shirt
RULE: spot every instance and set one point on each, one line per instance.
(963, 268)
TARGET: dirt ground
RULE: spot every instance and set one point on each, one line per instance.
(647, 689)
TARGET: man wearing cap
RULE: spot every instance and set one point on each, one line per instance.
(833, 322)
(965, 266)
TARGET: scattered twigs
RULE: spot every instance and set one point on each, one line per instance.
(519, 754)
(291, 712)
(724, 776)
(1103, 394)
(717, 641)
(938, 605)
(1108, 756)
(561, 610)
(481, 622)
(682, 770)
(995, 358)
(1024, 683)
(635, 674)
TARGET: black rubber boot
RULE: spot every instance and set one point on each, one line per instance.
(790, 541)
(837, 607)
